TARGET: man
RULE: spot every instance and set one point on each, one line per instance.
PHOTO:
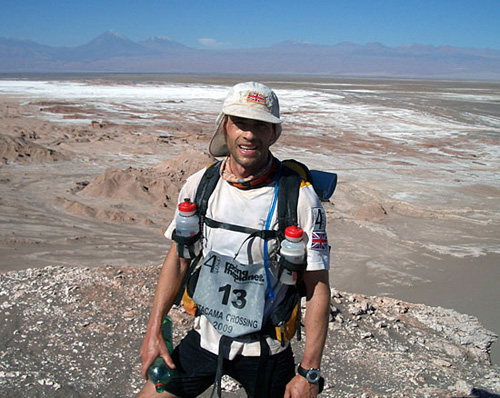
(248, 125)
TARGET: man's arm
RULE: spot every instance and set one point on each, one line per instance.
(169, 282)
(316, 328)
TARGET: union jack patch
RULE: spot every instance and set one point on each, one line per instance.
(256, 98)
(319, 241)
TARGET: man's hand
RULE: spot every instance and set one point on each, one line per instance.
(153, 347)
(171, 276)
(316, 327)
(299, 387)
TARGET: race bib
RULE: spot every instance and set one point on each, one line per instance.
(231, 295)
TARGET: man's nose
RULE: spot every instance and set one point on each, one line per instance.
(249, 132)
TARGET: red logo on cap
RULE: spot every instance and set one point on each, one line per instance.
(256, 98)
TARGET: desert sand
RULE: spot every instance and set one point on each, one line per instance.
(91, 168)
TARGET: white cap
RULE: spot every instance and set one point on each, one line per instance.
(250, 101)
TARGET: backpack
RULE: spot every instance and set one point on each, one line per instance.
(285, 321)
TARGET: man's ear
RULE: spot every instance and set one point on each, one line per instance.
(225, 121)
(275, 134)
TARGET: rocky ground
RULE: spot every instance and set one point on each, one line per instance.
(76, 332)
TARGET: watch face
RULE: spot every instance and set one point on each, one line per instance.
(313, 376)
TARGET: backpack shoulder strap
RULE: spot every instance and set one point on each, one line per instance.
(288, 196)
(288, 200)
(206, 187)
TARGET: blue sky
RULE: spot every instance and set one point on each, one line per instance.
(247, 24)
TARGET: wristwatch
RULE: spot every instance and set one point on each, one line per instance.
(312, 375)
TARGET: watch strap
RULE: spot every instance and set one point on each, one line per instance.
(306, 373)
(303, 372)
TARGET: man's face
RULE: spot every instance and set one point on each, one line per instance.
(248, 142)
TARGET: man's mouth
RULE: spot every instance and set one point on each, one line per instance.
(247, 148)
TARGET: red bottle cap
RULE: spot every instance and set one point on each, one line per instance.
(187, 206)
(294, 232)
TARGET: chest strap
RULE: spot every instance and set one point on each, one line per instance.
(254, 233)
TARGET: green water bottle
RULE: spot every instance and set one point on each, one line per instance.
(159, 373)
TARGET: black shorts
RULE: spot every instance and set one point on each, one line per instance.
(197, 369)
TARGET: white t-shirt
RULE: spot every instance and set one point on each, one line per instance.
(250, 208)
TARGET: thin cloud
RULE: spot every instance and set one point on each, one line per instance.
(212, 43)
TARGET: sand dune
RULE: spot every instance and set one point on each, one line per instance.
(24, 149)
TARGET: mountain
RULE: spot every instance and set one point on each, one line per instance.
(162, 44)
(108, 45)
(21, 54)
(21, 47)
(112, 52)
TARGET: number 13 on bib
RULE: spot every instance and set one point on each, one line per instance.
(231, 295)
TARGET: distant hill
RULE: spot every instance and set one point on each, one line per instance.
(113, 52)
(162, 44)
(110, 44)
